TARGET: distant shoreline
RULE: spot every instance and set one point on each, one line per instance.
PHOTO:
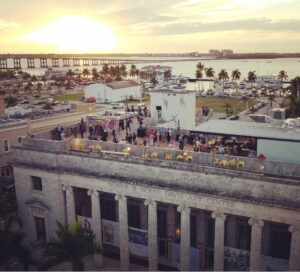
(187, 55)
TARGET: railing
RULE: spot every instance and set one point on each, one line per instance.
(225, 162)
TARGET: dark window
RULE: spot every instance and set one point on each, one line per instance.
(158, 108)
(20, 140)
(193, 230)
(243, 234)
(5, 145)
(108, 209)
(134, 215)
(36, 183)
(82, 202)
(210, 232)
(40, 228)
(280, 241)
(162, 223)
(177, 227)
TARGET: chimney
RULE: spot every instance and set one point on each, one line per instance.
(2, 106)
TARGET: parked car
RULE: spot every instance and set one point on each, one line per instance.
(90, 100)
(117, 105)
(234, 117)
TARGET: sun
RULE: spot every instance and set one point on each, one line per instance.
(76, 34)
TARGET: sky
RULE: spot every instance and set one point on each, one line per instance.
(149, 26)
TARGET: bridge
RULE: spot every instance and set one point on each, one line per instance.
(19, 61)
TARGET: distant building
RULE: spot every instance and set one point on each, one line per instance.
(214, 52)
(158, 71)
(114, 91)
(227, 52)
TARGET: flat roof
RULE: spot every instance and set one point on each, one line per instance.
(173, 91)
(9, 121)
(122, 84)
(249, 129)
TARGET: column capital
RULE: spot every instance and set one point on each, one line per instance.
(93, 193)
(294, 228)
(150, 202)
(67, 188)
(183, 208)
(219, 215)
(120, 197)
(256, 221)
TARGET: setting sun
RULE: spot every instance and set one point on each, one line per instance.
(75, 34)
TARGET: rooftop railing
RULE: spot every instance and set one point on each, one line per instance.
(226, 162)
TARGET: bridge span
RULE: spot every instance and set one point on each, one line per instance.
(55, 61)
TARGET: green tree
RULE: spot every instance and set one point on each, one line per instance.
(167, 74)
(123, 70)
(70, 73)
(10, 101)
(198, 76)
(132, 70)
(236, 75)
(282, 75)
(86, 72)
(72, 244)
(210, 73)
(223, 75)
(95, 74)
(153, 81)
(105, 70)
(200, 66)
(252, 77)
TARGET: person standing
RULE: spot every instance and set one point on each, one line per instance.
(181, 142)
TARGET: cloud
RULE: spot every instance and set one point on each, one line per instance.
(199, 27)
(6, 25)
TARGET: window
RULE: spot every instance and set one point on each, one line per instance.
(243, 234)
(36, 183)
(108, 209)
(40, 228)
(5, 145)
(19, 140)
(162, 223)
(280, 241)
(193, 230)
(134, 215)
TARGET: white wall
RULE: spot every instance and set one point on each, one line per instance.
(175, 106)
(102, 92)
(279, 150)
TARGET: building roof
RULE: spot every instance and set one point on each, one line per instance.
(122, 84)
(249, 129)
(11, 122)
(172, 91)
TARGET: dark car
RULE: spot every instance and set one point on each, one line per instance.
(234, 117)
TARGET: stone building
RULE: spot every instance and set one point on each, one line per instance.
(163, 207)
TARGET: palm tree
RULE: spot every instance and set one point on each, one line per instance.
(153, 80)
(223, 75)
(198, 75)
(95, 74)
(105, 70)
(210, 73)
(123, 70)
(137, 73)
(72, 244)
(132, 70)
(295, 87)
(236, 75)
(252, 77)
(200, 66)
(86, 72)
(167, 74)
(282, 75)
(70, 73)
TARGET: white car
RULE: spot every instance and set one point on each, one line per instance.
(117, 105)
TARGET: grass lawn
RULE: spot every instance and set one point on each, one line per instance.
(69, 97)
(218, 104)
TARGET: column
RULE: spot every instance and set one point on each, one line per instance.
(96, 224)
(294, 262)
(219, 240)
(71, 215)
(123, 231)
(152, 234)
(185, 237)
(255, 247)
(64, 204)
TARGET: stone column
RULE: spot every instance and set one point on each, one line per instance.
(152, 234)
(185, 237)
(64, 204)
(71, 214)
(123, 231)
(294, 262)
(96, 224)
(219, 240)
(255, 247)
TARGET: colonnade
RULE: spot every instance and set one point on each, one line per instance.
(219, 216)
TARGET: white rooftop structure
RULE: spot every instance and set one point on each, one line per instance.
(251, 129)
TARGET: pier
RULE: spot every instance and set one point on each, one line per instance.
(14, 61)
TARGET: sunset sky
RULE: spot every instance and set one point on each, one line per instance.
(138, 26)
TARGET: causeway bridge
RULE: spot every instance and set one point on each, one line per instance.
(19, 61)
